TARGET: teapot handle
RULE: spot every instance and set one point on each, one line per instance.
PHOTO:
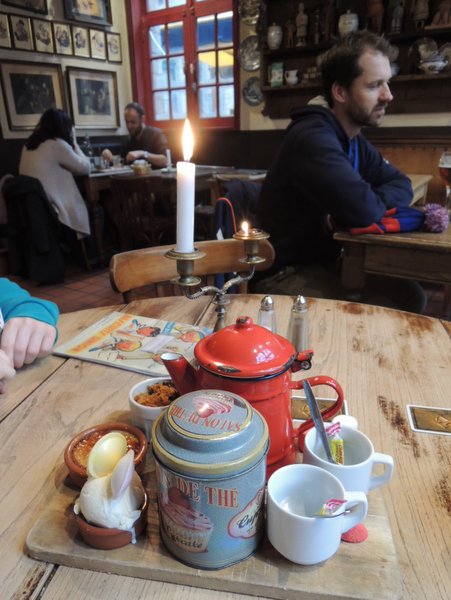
(326, 413)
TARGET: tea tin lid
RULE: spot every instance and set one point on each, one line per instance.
(245, 350)
(209, 433)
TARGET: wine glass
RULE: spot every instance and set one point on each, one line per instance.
(445, 173)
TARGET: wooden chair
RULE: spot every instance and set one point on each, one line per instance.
(132, 210)
(130, 271)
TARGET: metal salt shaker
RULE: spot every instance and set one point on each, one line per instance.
(298, 325)
(267, 314)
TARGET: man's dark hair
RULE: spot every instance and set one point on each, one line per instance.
(340, 63)
(53, 124)
(136, 106)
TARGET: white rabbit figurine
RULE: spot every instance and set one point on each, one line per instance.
(114, 499)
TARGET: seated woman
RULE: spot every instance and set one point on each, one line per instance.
(52, 155)
(27, 329)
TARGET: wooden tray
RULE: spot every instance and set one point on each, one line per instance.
(364, 571)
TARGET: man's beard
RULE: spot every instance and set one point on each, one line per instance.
(362, 118)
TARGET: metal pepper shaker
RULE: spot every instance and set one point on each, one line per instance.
(298, 325)
(267, 314)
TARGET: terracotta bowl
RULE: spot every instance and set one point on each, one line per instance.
(144, 416)
(78, 473)
(105, 538)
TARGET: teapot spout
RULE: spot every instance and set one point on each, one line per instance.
(182, 373)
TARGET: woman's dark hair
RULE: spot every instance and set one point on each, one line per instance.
(53, 124)
(340, 63)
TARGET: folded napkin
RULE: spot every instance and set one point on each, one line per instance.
(434, 218)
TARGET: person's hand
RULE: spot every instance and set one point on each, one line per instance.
(107, 155)
(6, 370)
(134, 155)
(25, 339)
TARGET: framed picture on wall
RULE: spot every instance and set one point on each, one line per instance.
(29, 89)
(97, 42)
(80, 41)
(37, 6)
(21, 32)
(63, 38)
(96, 12)
(93, 98)
(5, 34)
(43, 36)
(113, 44)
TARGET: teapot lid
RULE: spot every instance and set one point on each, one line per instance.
(245, 350)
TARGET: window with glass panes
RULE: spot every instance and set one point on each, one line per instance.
(187, 54)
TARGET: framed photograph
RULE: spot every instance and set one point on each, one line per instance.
(5, 34)
(37, 6)
(93, 98)
(80, 41)
(96, 12)
(28, 90)
(62, 38)
(43, 36)
(97, 42)
(113, 45)
(21, 32)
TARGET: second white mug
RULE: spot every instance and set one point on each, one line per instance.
(359, 458)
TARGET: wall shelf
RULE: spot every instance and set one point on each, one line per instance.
(414, 92)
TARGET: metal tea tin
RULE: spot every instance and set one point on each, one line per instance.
(210, 448)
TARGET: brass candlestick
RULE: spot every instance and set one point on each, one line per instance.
(185, 268)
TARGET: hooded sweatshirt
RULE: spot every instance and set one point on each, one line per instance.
(319, 175)
(17, 302)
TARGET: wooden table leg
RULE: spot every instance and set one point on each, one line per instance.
(92, 195)
(352, 270)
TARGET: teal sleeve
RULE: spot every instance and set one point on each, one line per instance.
(17, 302)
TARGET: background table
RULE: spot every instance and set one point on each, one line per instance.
(383, 358)
(416, 255)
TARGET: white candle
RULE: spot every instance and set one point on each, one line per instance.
(186, 172)
(245, 227)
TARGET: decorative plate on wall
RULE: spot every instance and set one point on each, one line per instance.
(249, 11)
(251, 92)
(248, 53)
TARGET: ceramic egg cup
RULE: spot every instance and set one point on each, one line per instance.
(108, 538)
(78, 473)
(144, 416)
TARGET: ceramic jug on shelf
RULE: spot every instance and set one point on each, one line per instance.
(274, 36)
(348, 22)
(291, 77)
(275, 74)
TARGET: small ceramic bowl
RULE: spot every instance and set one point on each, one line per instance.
(78, 473)
(105, 538)
(144, 416)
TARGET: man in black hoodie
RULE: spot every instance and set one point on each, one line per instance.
(326, 175)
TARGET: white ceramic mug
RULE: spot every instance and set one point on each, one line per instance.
(359, 459)
(295, 494)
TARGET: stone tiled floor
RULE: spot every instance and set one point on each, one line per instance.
(83, 289)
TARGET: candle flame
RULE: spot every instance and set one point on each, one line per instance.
(187, 141)
(245, 227)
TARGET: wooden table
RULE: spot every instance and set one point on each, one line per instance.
(383, 358)
(414, 255)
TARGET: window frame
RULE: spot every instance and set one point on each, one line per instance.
(139, 21)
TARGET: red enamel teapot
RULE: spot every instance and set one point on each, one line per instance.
(256, 364)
